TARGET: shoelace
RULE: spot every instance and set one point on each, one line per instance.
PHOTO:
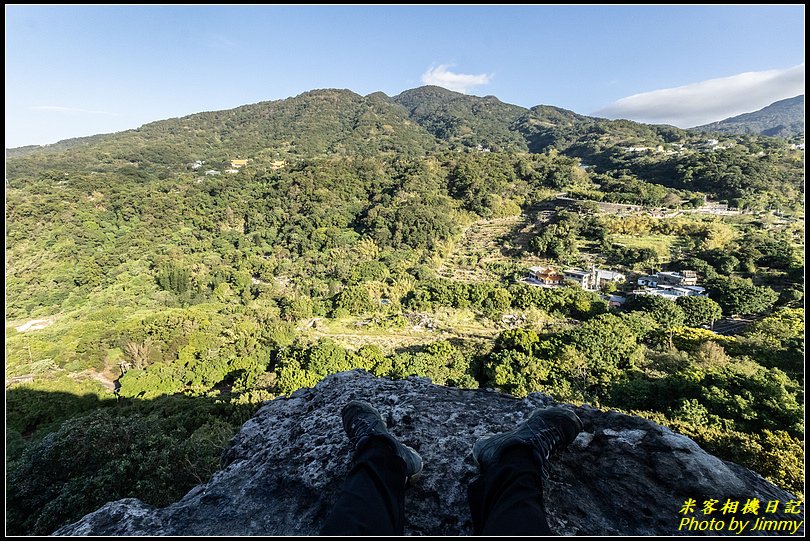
(543, 441)
(360, 427)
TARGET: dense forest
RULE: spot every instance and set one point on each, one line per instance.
(161, 283)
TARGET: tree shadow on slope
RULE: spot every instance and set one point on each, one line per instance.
(69, 454)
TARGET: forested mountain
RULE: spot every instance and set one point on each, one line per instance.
(414, 123)
(316, 123)
(462, 119)
(60, 146)
(784, 118)
(162, 282)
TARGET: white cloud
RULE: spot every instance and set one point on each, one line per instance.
(60, 109)
(222, 43)
(709, 101)
(459, 82)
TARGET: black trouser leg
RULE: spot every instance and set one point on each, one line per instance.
(372, 501)
(507, 499)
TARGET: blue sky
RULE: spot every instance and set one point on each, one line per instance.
(81, 70)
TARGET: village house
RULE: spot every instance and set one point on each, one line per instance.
(546, 276)
(648, 281)
(673, 292)
(593, 279)
(600, 278)
(683, 278)
(236, 164)
(581, 277)
(671, 285)
(708, 144)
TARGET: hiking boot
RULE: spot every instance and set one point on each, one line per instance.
(546, 430)
(361, 421)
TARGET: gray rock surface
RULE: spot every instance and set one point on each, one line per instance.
(623, 475)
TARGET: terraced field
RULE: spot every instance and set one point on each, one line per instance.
(497, 240)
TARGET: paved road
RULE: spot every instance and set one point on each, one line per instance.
(729, 326)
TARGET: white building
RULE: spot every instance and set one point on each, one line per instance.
(683, 278)
(600, 278)
(581, 277)
(648, 281)
(593, 279)
(673, 292)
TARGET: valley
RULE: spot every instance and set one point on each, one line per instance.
(164, 282)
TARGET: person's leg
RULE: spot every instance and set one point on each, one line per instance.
(372, 501)
(507, 499)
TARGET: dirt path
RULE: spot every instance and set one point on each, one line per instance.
(35, 325)
(104, 380)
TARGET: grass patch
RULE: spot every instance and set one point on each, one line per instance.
(662, 244)
(447, 323)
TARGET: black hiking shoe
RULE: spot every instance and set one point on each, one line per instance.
(361, 421)
(546, 430)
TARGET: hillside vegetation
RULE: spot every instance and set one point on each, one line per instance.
(162, 282)
(784, 118)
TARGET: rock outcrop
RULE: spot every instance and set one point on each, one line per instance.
(622, 476)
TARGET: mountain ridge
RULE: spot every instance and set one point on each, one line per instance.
(420, 122)
(450, 117)
(447, 115)
(328, 122)
(783, 118)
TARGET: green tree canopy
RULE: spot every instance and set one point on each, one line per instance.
(740, 296)
(699, 310)
(663, 311)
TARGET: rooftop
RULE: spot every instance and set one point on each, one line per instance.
(608, 274)
(576, 272)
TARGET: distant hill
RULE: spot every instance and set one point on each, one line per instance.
(59, 146)
(341, 122)
(471, 121)
(546, 127)
(784, 118)
(415, 123)
(315, 123)
(462, 119)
